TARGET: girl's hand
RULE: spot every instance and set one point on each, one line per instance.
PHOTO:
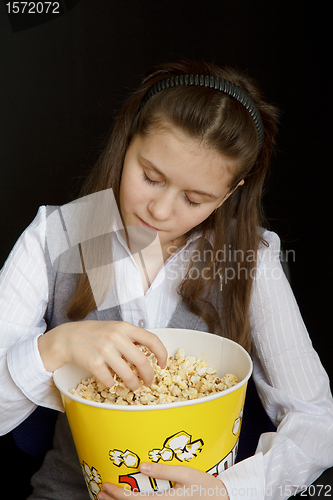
(97, 345)
(189, 483)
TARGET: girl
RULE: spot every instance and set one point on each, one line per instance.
(185, 163)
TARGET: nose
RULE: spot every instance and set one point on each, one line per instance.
(162, 206)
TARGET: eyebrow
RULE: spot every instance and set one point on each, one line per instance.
(203, 193)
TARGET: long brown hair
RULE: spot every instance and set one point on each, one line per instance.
(220, 295)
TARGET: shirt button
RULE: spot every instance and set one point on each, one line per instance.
(142, 323)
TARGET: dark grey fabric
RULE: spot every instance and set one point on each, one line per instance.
(60, 477)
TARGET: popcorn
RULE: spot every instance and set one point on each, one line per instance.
(184, 378)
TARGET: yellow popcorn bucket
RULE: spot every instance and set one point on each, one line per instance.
(112, 440)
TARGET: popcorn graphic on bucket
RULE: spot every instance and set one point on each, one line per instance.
(112, 440)
(178, 446)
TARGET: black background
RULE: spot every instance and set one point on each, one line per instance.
(64, 79)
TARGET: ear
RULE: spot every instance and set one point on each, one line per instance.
(229, 193)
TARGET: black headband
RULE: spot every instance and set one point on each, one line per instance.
(215, 83)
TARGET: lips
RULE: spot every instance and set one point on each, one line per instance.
(147, 225)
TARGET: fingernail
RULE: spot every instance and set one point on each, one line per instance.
(145, 467)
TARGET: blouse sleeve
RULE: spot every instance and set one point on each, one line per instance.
(23, 300)
(293, 387)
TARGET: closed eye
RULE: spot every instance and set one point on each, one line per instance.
(190, 202)
(148, 180)
(151, 182)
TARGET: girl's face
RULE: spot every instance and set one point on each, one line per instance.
(171, 183)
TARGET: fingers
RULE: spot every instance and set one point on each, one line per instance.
(132, 354)
(187, 481)
(150, 340)
(112, 491)
(177, 474)
(198, 485)
(103, 374)
(98, 345)
(122, 349)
